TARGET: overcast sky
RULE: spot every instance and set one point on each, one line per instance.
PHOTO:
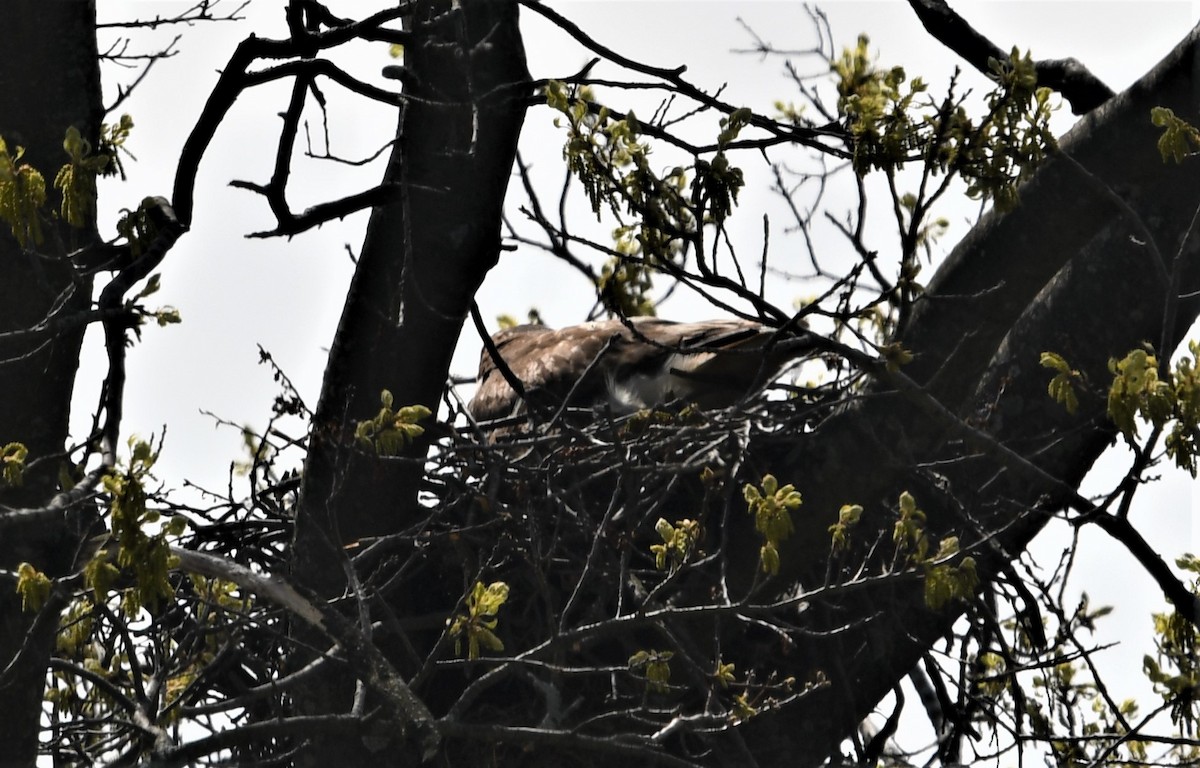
(235, 293)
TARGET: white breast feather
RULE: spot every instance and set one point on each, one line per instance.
(650, 390)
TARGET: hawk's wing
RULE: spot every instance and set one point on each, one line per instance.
(547, 362)
(642, 363)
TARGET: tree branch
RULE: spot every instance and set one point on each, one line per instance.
(1082, 90)
(361, 653)
(1186, 603)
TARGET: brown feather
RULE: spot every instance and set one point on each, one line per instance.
(643, 364)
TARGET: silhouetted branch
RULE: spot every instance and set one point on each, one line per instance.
(1083, 90)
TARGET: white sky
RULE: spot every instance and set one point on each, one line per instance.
(235, 293)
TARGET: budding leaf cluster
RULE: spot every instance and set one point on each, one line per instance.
(391, 430)
(991, 674)
(655, 666)
(22, 195)
(718, 182)
(1012, 141)
(742, 708)
(602, 152)
(927, 232)
(771, 506)
(947, 582)
(12, 462)
(946, 578)
(77, 179)
(1174, 670)
(33, 586)
(678, 542)
(1062, 386)
(625, 280)
(112, 143)
(1179, 138)
(138, 227)
(1138, 391)
(23, 187)
(909, 531)
(163, 316)
(892, 121)
(876, 109)
(895, 356)
(657, 210)
(142, 547)
(75, 628)
(479, 621)
(725, 673)
(1135, 389)
(848, 517)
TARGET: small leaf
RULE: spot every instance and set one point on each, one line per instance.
(33, 586)
(1179, 138)
(12, 459)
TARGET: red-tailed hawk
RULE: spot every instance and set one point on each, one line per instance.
(624, 366)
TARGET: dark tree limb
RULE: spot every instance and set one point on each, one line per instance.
(362, 655)
(1186, 603)
(1076, 278)
(289, 223)
(426, 251)
(49, 81)
(116, 325)
(1082, 90)
(237, 76)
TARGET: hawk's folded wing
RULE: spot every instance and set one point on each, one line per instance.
(641, 363)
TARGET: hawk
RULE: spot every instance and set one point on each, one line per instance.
(627, 365)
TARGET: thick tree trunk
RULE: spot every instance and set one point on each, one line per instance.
(425, 255)
(1071, 271)
(49, 80)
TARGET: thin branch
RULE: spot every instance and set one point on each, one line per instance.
(1186, 603)
(361, 653)
(644, 755)
(199, 11)
(809, 137)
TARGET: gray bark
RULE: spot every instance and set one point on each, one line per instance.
(1071, 270)
(424, 256)
(49, 80)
